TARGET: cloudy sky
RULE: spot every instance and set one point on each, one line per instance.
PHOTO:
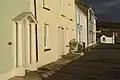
(106, 10)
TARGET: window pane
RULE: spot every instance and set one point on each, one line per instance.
(45, 35)
(44, 41)
(45, 3)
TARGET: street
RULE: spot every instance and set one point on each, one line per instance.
(101, 63)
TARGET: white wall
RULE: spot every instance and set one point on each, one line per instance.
(83, 21)
(94, 32)
(81, 24)
(55, 20)
(107, 39)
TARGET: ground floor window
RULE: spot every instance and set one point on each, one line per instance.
(46, 35)
(103, 39)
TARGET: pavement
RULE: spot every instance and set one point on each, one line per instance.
(100, 63)
(45, 71)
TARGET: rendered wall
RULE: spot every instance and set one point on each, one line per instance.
(55, 20)
(9, 9)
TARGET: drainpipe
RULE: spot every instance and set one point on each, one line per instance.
(87, 31)
(36, 30)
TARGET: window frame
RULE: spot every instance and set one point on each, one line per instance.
(45, 5)
(46, 37)
(103, 39)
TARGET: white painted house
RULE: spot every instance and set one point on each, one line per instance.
(81, 23)
(86, 24)
(91, 27)
(37, 32)
(107, 38)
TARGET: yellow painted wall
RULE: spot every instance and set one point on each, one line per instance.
(9, 10)
(54, 19)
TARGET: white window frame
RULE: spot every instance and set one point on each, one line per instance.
(103, 39)
(45, 3)
(78, 16)
(46, 26)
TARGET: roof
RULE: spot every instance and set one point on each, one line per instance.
(23, 15)
(108, 34)
(84, 7)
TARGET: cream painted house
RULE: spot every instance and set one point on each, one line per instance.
(17, 40)
(38, 32)
(34, 34)
(56, 27)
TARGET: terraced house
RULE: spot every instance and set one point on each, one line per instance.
(35, 33)
(81, 23)
(85, 24)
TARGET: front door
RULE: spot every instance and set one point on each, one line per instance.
(60, 42)
(23, 44)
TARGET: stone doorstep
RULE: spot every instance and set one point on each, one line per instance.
(47, 70)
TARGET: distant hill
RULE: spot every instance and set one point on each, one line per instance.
(109, 25)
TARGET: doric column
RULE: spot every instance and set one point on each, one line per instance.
(20, 70)
(20, 50)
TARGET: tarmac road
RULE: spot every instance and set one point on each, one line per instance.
(101, 63)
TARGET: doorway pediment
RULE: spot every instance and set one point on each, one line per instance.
(25, 15)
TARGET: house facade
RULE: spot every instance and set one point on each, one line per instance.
(86, 24)
(91, 27)
(107, 38)
(81, 24)
(56, 28)
(15, 18)
(36, 33)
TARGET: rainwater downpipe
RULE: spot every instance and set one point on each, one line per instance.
(36, 31)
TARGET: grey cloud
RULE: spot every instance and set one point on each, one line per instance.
(105, 9)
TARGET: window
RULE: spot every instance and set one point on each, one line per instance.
(90, 17)
(78, 16)
(103, 39)
(60, 2)
(62, 7)
(45, 5)
(44, 2)
(46, 35)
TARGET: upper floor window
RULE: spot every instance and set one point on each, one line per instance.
(90, 17)
(78, 16)
(103, 39)
(46, 35)
(45, 5)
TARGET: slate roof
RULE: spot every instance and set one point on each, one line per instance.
(108, 34)
(84, 7)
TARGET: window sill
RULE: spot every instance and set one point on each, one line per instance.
(71, 19)
(46, 8)
(67, 45)
(47, 49)
(62, 15)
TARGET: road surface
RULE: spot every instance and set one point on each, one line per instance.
(101, 63)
